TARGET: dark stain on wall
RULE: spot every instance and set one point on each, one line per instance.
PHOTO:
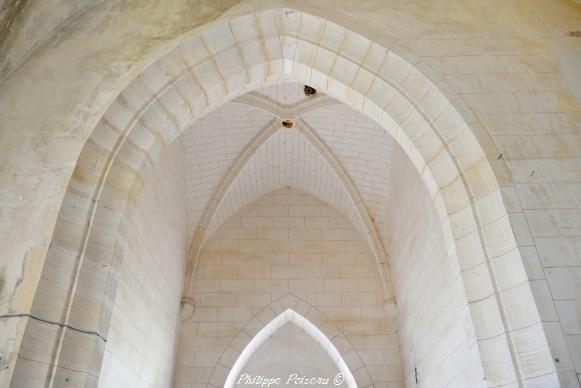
(9, 12)
(2, 282)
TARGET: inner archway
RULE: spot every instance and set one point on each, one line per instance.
(292, 354)
(287, 249)
(281, 323)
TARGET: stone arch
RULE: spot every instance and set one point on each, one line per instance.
(289, 316)
(398, 91)
(290, 309)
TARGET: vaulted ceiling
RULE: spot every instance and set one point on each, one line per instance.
(241, 151)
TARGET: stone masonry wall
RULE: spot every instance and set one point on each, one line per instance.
(437, 339)
(144, 323)
(286, 242)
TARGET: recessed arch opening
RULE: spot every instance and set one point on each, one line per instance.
(290, 316)
(395, 90)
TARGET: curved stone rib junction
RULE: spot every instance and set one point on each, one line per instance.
(281, 111)
(368, 230)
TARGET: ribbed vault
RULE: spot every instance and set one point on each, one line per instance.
(214, 142)
(226, 60)
(278, 157)
(361, 146)
(287, 158)
(211, 146)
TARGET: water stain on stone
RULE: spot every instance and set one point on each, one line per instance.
(9, 12)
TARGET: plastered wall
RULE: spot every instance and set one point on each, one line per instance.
(153, 240)
(286, 242)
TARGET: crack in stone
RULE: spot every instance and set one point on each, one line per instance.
(89, 332)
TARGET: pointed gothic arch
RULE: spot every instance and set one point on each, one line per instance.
(228, 59)
(289, 316)
(289, 309)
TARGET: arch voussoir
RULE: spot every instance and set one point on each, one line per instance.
(230, 59)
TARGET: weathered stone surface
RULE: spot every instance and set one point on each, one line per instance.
(496, 65)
